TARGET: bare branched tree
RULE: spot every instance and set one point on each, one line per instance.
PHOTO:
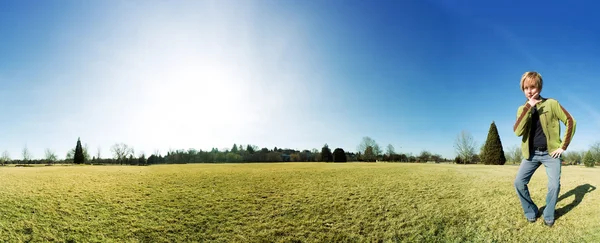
(516, 154)
(98, 153)
(377, 150)
(595, 150)
(5, 157)
(465, 146)
(390, 150)
(50, 156)
(70, 155)
(369, 142)
(121, 151)
(26, 154)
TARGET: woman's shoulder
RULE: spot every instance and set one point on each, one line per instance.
(551, 100)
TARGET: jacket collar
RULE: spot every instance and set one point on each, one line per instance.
(541, 97)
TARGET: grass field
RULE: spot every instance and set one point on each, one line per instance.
(308, 202)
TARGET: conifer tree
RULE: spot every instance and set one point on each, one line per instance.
(493, 153)
(78, 157)
(326, 154)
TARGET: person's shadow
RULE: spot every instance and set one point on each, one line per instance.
(579, 192)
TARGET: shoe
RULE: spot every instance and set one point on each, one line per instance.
(549, 223)
(532, 220)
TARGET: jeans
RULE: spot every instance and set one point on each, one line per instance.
(526, 170)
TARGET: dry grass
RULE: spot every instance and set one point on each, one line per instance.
(309, 202)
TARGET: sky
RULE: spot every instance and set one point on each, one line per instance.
(167, 75)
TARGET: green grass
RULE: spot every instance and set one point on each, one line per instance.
(308, 202)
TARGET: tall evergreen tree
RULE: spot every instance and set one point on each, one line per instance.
(326, 154)
(78, 157)
(250, 149)
(493, 153)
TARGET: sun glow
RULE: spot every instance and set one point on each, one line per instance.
(192, 79)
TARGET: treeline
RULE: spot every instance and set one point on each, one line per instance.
(124, 155)
(251, 155)
(490, 153)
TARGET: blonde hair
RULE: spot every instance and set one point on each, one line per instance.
(532, 77)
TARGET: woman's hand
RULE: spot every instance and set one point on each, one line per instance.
(557, 153)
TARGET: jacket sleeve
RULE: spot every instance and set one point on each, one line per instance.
(523, 117)
(569, 122)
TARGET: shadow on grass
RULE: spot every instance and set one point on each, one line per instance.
(579, 192)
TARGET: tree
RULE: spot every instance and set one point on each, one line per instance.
(369, 155)
(153, 159)
(131, 160)
(464, 146)
(390, 150)
(377, 151)
(403, 158)
(424, 156)
(5, 157)
(86, 156)
(436, 158)
(26, 155)
(233, 157)
(121, 151)
(78, 158)
(50, 156)
(339, 155)
(326, 154)
(588, 159)
(581, 154)
(493, 153)
(572, 157)
(595, 150)
(98, 154)
(508, 156)
(366, 142)
(516, 154)
(234, 149)
(481, 150)
(142, 159)
(513, 154)
(69, 156)
(251, 148)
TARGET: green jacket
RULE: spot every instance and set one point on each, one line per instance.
(550, 113)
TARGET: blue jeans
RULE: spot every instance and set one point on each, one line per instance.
(526, 170)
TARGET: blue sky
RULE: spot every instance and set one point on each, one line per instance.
(161, 75)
